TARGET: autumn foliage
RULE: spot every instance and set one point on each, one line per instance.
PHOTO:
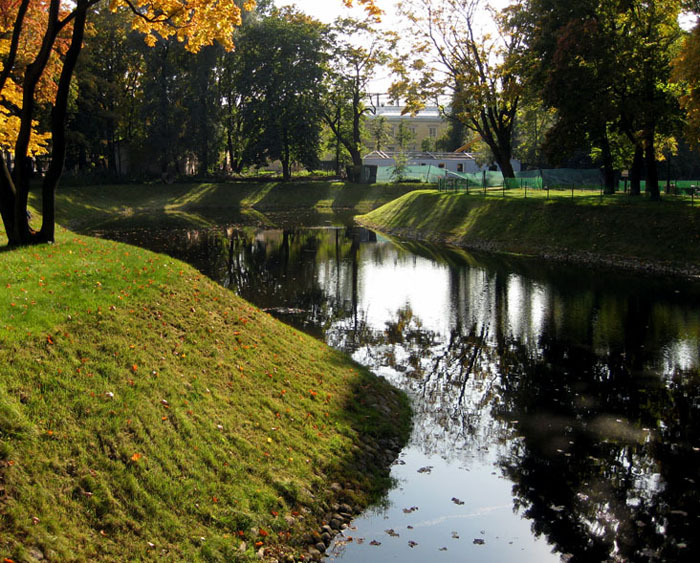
(40, 41)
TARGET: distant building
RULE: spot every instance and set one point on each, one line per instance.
(426, 124)
(451, 161)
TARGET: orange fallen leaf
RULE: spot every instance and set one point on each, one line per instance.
(136, 457)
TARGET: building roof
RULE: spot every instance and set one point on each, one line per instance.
(395, 112)
(417, 155)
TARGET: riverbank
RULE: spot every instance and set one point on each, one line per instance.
(84, 208)
(616, 231)
(146, 411)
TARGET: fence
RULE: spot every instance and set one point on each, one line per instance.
(427, 174)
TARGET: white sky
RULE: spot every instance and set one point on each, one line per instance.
(328, 10)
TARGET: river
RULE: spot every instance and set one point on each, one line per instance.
(557, 409)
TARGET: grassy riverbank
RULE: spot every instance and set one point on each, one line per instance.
(204, 204)
(617, 230)
(146, 411)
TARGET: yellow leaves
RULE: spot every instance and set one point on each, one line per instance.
(369, 5)
(197, 23)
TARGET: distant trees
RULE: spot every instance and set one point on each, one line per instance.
(548, 79)
(357, 52)
(40, 41)
(280, 71)
(605, 66)
(451, 55)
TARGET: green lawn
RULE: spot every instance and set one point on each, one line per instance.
(146, 412)
(666, 233)
(206, 204)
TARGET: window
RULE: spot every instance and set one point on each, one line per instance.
(433, 132)
(460, 167)
(441, 165)
(412, 130)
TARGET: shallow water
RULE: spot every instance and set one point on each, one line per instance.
(557, 409)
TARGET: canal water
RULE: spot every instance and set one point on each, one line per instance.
(557, 409)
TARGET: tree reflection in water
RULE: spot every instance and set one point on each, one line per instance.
(586, 386)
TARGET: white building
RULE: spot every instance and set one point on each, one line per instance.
(450, 161)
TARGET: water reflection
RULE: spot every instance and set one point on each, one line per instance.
(580, 388)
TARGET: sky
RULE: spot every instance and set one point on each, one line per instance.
(328, 10)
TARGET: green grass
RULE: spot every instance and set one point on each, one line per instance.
(205, 204)
(665, 233)
(146, 412)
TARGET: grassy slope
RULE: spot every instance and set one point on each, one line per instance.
(207, 203)
(146, 411)
(666, 234)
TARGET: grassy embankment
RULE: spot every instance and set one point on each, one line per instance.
(146, 412)
(205, 204)
(617, 230)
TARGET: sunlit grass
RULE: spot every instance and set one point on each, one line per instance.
(206, 204)
(619, 225)
(146, 411)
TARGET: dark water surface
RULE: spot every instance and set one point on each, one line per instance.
(557, 410)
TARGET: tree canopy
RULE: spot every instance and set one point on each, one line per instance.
(40, 41)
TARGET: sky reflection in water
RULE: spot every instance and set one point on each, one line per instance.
(556, 409)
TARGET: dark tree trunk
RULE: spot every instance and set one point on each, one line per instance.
(636, 171)
(652, 171)
(608, 168)
(58, 127)
(285, 158)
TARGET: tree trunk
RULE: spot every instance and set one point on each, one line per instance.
(652, 172)
(506, 167)
(608, 168)
(285, 158)
(7, 200)
(636, 171)
(58, 127)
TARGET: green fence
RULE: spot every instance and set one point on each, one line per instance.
(558, 178)
(674, 187)
(427, 174)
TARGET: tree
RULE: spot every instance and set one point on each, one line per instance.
(605, 67)
(25, 63)
(477, 70)
(280, 74)
(108, 79)
(357, 51)
(201, 24)
(379, 131)
(686, 71)
(533, 123)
